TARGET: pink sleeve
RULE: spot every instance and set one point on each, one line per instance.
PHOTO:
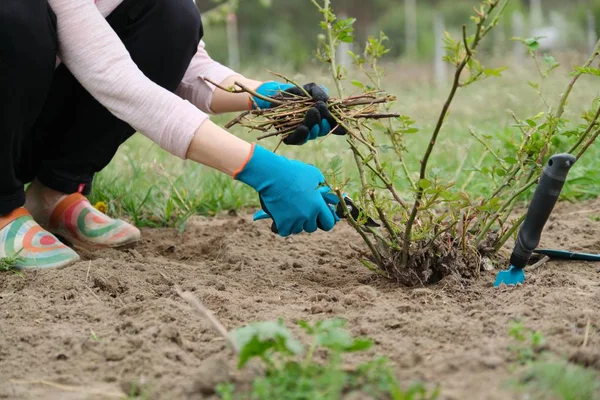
(197, 90)
(100, 62)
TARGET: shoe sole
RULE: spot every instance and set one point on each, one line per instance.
(76, 243)
(62, 265)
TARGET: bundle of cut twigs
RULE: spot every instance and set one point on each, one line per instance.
(289, 111)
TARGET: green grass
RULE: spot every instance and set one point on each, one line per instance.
(542, 374)
(555, 378)
(154, 188)
(315, 370)
(9, 264)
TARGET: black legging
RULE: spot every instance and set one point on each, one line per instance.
(51, 128)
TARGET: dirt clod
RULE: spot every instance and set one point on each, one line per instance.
(586, 357)
(209, 374)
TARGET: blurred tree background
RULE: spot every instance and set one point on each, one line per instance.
(285, 32)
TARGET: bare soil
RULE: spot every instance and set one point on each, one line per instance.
(92, 330)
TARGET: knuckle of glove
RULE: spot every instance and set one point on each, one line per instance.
(312, 118)
(316, 91)
(298, 137)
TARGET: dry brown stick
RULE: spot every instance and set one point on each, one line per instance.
(243, 89)
(231, 90)
(279, 144)
(363, 102)
(376, 116)
(538, 264)
(190, 298)
(87, 275)
(288, 80)
(237, 119)
(268, 135)
(260, 96)
(93, 294)
(586, 336)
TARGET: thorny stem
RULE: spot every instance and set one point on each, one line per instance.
(509, 177)
(591, 126)
(588, 144)
(377, 171)
(356, 227)
(332, 59)
(352, 135)
(487, 147)
(438, 127)
(260, 96)
(405, 170)
(472, 174)
(382, 217)
(509, 233)
(560, 112)
(488, 226)
(288, 80)
(563, 100)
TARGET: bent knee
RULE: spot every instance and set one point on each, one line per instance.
(28, 30)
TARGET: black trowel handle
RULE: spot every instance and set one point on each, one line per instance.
(545, 197)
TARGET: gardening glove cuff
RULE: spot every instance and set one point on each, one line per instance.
(292, 193)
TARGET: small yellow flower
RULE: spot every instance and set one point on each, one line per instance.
(101, 206)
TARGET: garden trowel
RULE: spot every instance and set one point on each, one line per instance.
(545, 197)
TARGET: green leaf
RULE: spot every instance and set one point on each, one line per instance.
(424, 183)
(306, 326)
(332, 335)
(532, 44)
(357, 83)
(360, 344)
(510, 160)
(494, 72)
(257, 339)
(588, 71)
(551, 61)
(411, 130)
(531, 123)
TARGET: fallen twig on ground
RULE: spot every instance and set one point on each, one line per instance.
(218, 326)
(538, 264)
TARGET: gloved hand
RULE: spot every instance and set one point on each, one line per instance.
(318, 121)
(290, 193)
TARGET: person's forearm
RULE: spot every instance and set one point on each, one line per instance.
(223, 101)
(215, 147)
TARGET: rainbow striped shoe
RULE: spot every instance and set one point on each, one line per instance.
(79, 223)
(22, 239)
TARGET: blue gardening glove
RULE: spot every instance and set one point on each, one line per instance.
(290, 193)
(318, 121)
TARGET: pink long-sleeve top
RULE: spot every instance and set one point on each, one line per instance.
(100, 62)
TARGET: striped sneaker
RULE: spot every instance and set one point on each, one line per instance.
(28, 246)
(82, 225)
